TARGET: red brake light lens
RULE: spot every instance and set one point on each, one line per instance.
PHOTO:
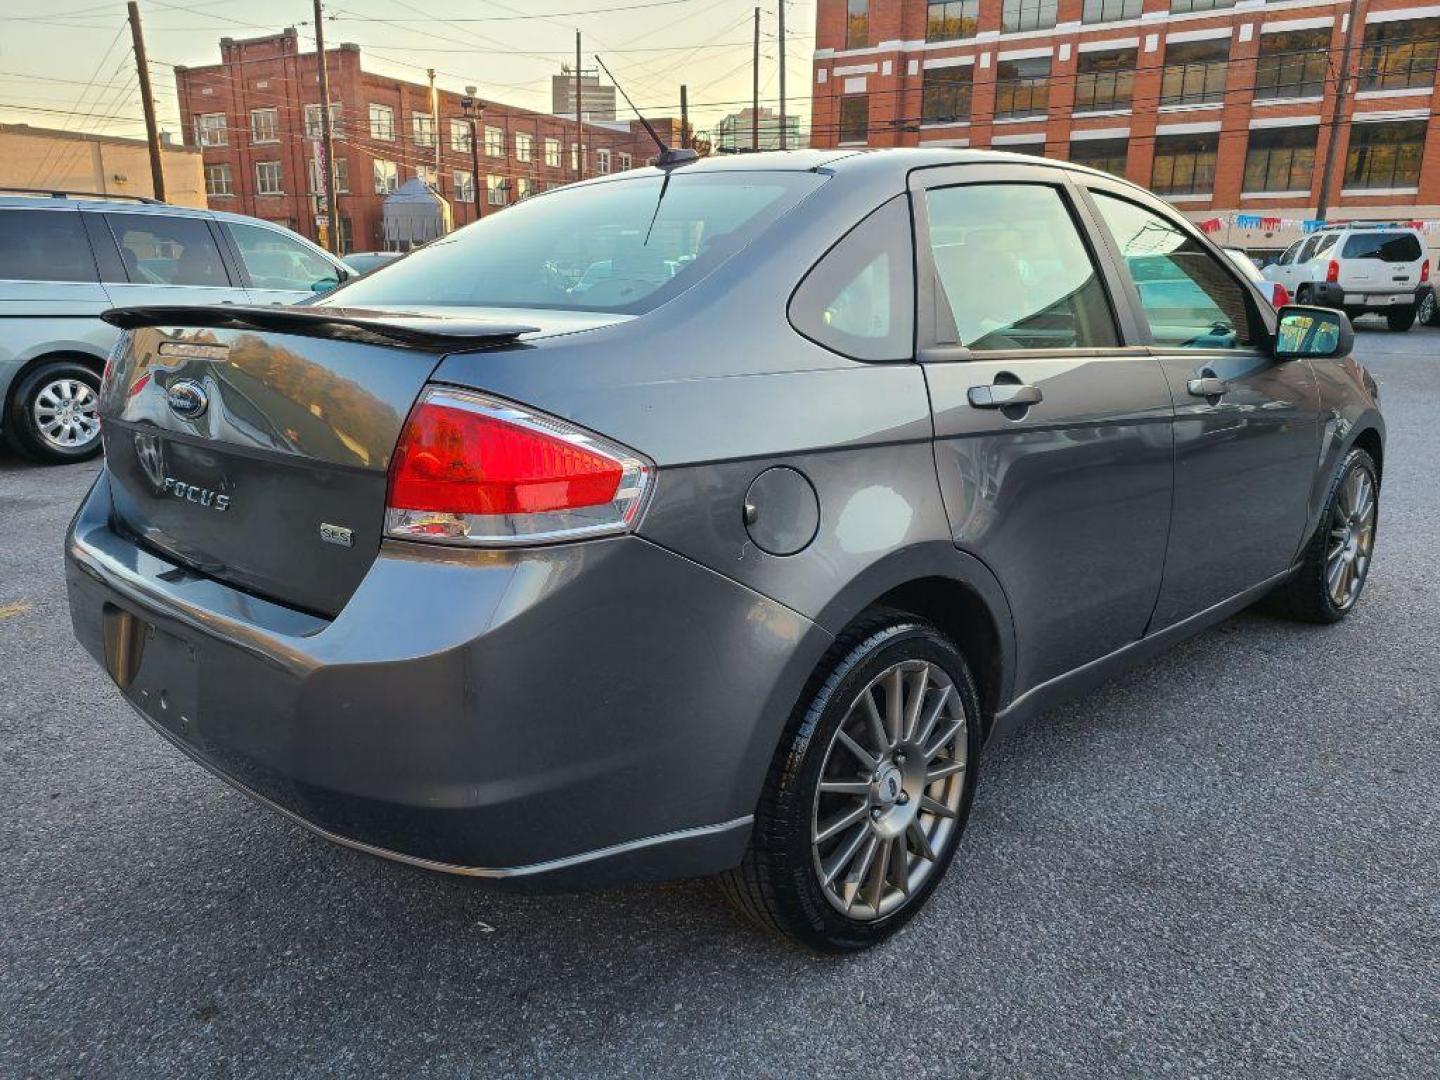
(1332, 272)
(1425, 270)
(1282, 295)
(475, 470)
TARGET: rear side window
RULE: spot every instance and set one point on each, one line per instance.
(859, 300)
(160, 250)
(44, 245)
(1390, 247)
(1014, 270)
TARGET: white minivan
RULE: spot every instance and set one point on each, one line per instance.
(1363, 267)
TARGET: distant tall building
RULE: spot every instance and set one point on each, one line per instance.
(597, 101)
(737, 130)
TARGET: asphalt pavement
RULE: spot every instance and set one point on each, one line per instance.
(1226, 863)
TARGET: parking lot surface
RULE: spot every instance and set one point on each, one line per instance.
(1226, 863)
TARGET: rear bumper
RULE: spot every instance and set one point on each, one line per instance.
(569, 716)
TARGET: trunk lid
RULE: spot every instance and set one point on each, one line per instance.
(252, 445)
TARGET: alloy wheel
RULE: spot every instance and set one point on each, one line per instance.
(1426, 313)
(65, 413)
(1352, 538)
(888, 801)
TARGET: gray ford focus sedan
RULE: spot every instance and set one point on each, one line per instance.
(711, 519)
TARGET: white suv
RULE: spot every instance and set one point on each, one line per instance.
(1363, 267)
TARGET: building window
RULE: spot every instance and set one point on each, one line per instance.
(1194, 72)
(268, 179)
(464, 184)
(218, 180)
(946, 95)
(314, 129)
(495, 190)
(857, 24)
(951, 19)
(1181, 6)
(387, 176)
(1104, 80)
(1099, 11)
(602, 161)
(524, 187)
(1022, 87)
(1385, 155)
(1399, 55)
(855, 118)
(210, 130)
(552, 153)
(345, 236)
(524, 146)
(460, 136)
(624, 162)
(1293, 64)
(577, 155)
(1280, 159)
(1184, 164)
(422, 129)
(382, 123)
(429, 175)
(342, 176)
(1027, 15)
(1107, 155)
(264, 125)
(494, 142)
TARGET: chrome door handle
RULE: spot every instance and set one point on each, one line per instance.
(1207, 387)
(1003, 395)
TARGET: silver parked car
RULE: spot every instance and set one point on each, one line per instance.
(66, 258)
(711, 519)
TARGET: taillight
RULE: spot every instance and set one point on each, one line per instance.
(471, 469)
(1425, 271)
(1332, 272)
(1282, 296)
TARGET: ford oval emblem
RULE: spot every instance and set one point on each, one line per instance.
(187, 399)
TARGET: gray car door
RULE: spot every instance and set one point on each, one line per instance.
(1053, 442)
(1246, 426)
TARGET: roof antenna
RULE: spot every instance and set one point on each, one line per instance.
(669, 157)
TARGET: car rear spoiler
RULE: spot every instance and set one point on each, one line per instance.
(411, 330)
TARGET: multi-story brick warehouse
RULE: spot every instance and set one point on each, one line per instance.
(256, 118)
(1218, 106)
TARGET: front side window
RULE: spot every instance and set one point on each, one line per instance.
(44, 245)
(859, 300)
(1108, 155)
(1099, 11)
(1027, 14)
(1184, 164)
(1293, 63)
(275, 261)
(218, 180)
(1105, 80)
(854, 118)
(1014, 271)
(268, 178)
(1022, 87)
(1280, 159)
(494, 142)
(617, 246)
(382, 123)
(422, 129)
(1399, 55)
(1189, 298)
(857, 24)
(210, 130)
(945, 98)
(387, 176)
(1194, 72)
(161, 250)
(1385, 155)
(949, 20)
(264, 125)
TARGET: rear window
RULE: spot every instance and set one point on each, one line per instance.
(625, 246)
(44, 245)
(1390, 247)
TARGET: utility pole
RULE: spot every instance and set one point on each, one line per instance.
(1342, 86)
(755, 89)
(327, 138)
(784, 137)
(579, 123)
(152, 133)
(684, 116)
(435, 125)
(474, 112)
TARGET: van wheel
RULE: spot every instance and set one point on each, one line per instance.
(54, 414)
(1400, 319)
(1336, 562)
(868, 793)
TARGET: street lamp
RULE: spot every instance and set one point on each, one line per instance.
(474, 111)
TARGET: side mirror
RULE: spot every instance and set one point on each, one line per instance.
(325, 284)
(1315, 333)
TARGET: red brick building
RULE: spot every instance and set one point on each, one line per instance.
(1218, 106)
(256, 118)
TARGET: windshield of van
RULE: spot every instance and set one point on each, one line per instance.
(616, 247)
(1390, 247)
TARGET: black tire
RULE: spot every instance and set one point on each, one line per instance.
(778, 885)
(1400, 319)
(22, 425)
(1427, 311)
(1307, 596)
